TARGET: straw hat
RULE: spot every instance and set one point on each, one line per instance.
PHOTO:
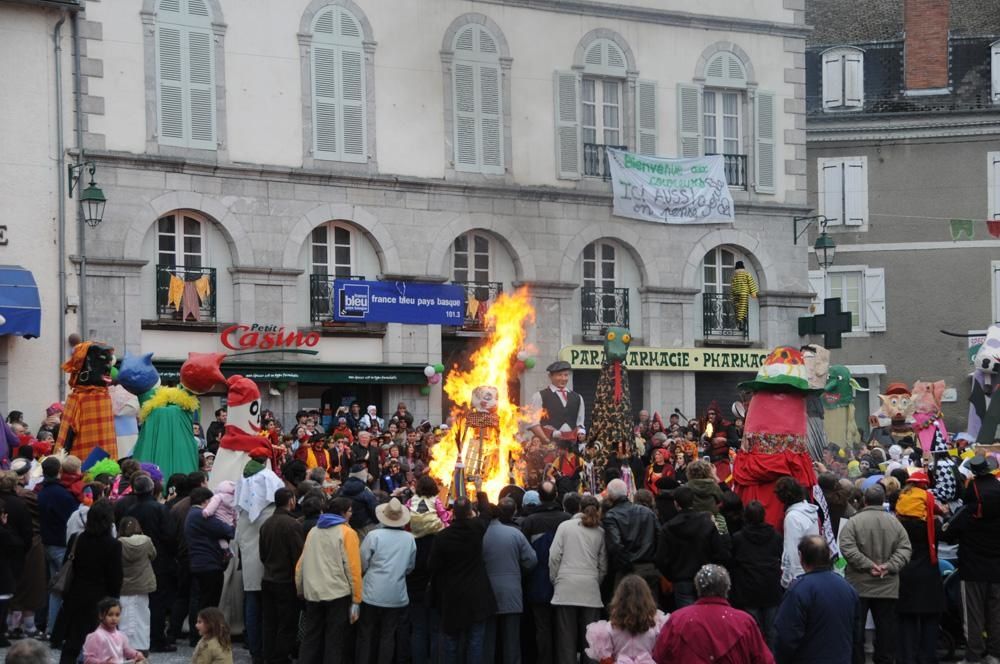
(393, 514)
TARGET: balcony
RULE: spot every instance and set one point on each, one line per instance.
(321, 299)
(595, 160)
(185, 294)
(736, 170)
(719, 318)
(603, 308)
(479, 297)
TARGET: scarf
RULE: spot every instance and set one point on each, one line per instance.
(255, 493)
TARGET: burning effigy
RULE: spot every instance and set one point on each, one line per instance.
(483, 439)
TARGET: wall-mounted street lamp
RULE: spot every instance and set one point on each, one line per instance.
(92, 199)
(825, 247)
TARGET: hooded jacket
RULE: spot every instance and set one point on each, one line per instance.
(801, 519)
(756, 566)
(363, 513)
(138, 554)
(330, 565)
(688, 541)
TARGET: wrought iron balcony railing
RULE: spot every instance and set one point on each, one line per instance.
(479, 297)
(719, 317)
(736, 170)
(603, 308)
(185, 294)
(321, 298)
(595, 159)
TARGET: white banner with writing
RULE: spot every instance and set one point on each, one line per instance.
(670, 191)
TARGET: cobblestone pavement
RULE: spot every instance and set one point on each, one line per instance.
(182, 656)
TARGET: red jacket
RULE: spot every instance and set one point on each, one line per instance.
(711, 632)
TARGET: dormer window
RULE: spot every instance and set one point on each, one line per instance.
(843, 79)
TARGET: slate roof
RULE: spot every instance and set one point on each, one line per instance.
(854, 21)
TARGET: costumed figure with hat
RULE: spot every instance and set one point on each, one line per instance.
(818, 371)
(838, 404)
(611, 423)
(774, 439)
(167, 413)
(716, 440)
(88, 422)
(558, 414)
(927, 413)
(241, 440)
(741, 289)
(984, 410)
(897, 408)
(477, 436)
(943, 470)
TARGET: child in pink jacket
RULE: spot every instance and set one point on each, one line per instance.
(106, 644)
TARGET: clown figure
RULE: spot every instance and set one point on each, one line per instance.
(241, 440)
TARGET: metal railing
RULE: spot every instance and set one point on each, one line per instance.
(595, 159)
(719, 317)
(603, 308)
(321, 298)
(736, 170)
(479, 297)
(185, 294)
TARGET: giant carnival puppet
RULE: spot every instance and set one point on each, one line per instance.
(927, 415)
(241, 440)
(774, 435)
(984, 408)
(838, 404)
(611, 423)
(818, 371)
(897, 407)
(88, 422)
(166, 437)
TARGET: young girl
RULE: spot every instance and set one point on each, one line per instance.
(138, 581)
(106, 644)
(630, 634)
(215, 646)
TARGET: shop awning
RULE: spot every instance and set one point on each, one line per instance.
(20, 308)
(333, 374)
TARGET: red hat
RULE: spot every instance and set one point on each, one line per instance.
(919, 477)
(897, 388)
(200, 372)
(242, 391)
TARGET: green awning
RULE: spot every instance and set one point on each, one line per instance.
(334, 374)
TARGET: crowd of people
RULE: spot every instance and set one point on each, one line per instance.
(349, 550)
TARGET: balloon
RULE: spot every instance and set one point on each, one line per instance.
(519, 366)
(425, 390)
(523, 355)
(530, 362)
(439, 368)
(434, 379)
(429, 371)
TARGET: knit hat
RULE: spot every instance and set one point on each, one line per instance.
(784, 370)
(531, 498)
(242, 391)
(919, 478)
(53, 409)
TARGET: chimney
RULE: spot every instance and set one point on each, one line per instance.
(926, 48)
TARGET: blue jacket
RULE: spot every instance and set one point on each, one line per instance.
(55, 505)
(815, 622)
(506, 553)
(203, 535)
(387, 556)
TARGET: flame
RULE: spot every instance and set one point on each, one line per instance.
(491, 365)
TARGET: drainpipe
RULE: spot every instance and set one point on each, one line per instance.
(81, 239)
(61, 182)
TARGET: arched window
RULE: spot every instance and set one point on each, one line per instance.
(338, 86)
(185, 280)
(718, 270)
(604, 303)
(471, 260)
(477, 91)
(720, 315)
(333, 252)
(843, 78)
(185, 74)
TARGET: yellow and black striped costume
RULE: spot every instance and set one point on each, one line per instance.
(742, 288)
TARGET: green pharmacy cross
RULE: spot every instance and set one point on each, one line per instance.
(832, 323)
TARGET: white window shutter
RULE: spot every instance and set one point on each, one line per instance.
(201, 86)
(491, 119)
(817, 286)
(689, 126)
(993, 185)
(831, 190)
(875, 299)
(352, 104)
(854, 77)
(171, 85)
(995, 69)
(833, 80)
(567, 106)
(766, 144)
(645, 140)
(325, 125)
(855, 192)
(466, 117)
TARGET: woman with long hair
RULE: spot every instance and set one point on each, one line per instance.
(97, 573)
(578, 562)
(658, 468)
(633, 625)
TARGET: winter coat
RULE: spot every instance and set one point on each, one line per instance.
(159, 527)
(756, 567)
(687, 542)
(578, 562)
(801, 519)
(711, 631)
(506, 553)
(419, 579)
(976, 529)
(11, 547)
(203, 535)
(921, 588)
(815, 622)
(210, 651)
(19, 523)
(330, 565)
(363, 513)
(460, 587)
(874, 536)
(540, 529)
(630, 531)
(138, 553)
(248, 547)
(387, 556)
(97, 573)
(707, 495)
(55, 505)
(281, 542)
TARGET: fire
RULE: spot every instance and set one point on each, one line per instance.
(491, 366)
